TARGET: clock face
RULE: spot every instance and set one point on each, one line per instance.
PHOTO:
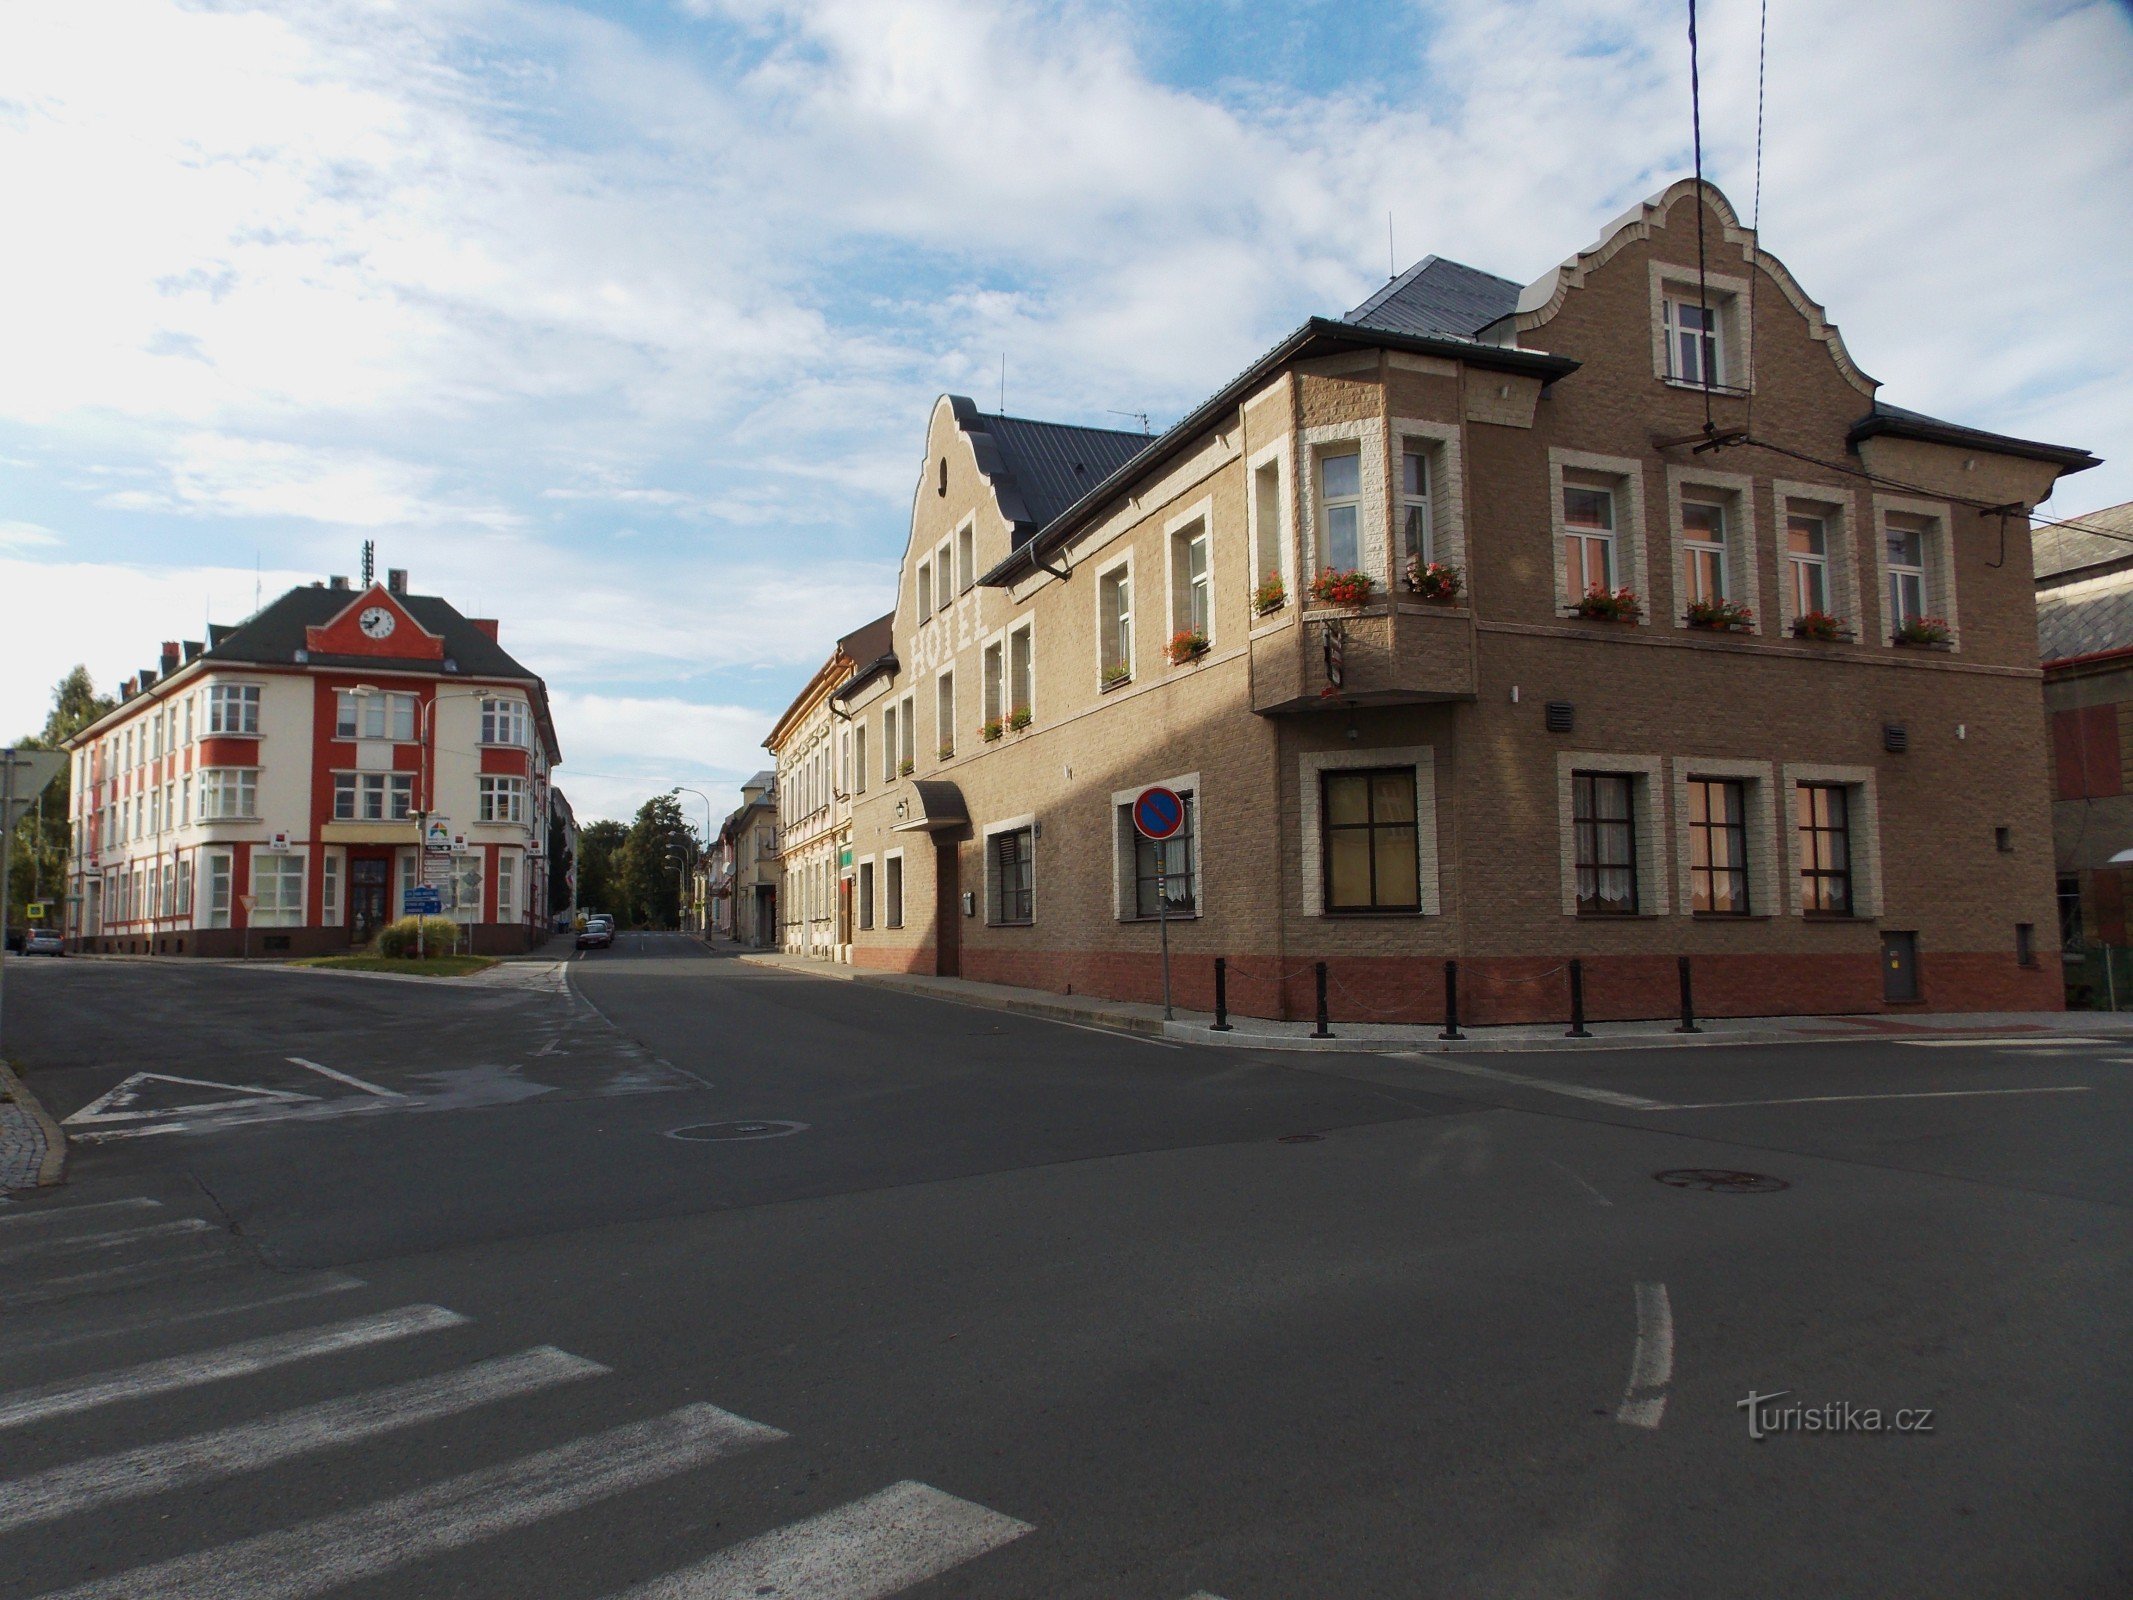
(376, 623)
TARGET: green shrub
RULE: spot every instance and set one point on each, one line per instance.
(439, 937)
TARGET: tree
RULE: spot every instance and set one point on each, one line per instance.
(38, 867)
(660, 851)
(599, 866)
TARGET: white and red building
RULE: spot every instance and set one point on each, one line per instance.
(265, 791)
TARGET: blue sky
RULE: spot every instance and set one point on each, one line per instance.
(621, 322)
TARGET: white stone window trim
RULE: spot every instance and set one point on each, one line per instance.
(1024, 624)
(1373, 518)
(986, 835)
(1735, 491)
(1939, 556)
(946, 734)
(1862, 819)
(1651, 828)
(1632, 570)
(1201, 511)
(1125, 906)
(1312, 764)
(286, 916)
(216, 699)
(1123, 561)
(1728, 298)
(965, 539)
(1758, 813)
(1838, 509)
(1447, 488)
(1280, 454)
(903, 891)
(866, 886)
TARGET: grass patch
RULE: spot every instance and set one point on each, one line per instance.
(435, 967)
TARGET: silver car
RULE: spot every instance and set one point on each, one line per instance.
(44, 942)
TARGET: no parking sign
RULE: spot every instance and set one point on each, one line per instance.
(1158, 814)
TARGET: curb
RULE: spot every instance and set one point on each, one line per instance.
(902, 983)
(52, 1169)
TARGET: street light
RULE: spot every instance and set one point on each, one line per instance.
(709, 834)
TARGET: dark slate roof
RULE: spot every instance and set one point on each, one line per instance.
(275, 634)
(2063, 552)
(869, 642)
(2086, 619)
(1903, 423)
(1439, 298)
(1052, 464)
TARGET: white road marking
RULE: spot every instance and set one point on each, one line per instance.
(331, 1551)
(348, 1078)
(148, 1131)
(871, 1548)
(1577, 1091)
(1651, 1369)
(1916, 1094)
(28, 1221)
(230, 1361)
(160, 1269)
(154, 1469)
(1580, 1180)
(116, 1239)
(324, 1283)
(2052, 1042)
(114, 1107)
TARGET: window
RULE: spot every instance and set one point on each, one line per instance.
(373, 796)
(1114, 624)
(1703, 552)
(329, 893)
(994, 674)
(231, 708)
(1603, 826)
(1415, 538)
(1191, 584)
(2070, 934)
(1692, 348)
(1011, 875)
(944, 576)
(1371, 860)
(503, 800)
(1588, 541)
(1807, 563)
(944, 713)
(278, 890)
(504, 722)
(844, 763)
(892, 869)
(374, 716)
(189, 719)
(185, 801)
(925, 590)
(1179, 858)
(889, 744)
(1340, 501)
(859, 758)
(408, 860)
(1718, 846)
(866, 895)
(1266, 521)
(907, 727)
(1021, 670)
(965, 558)
(1907, 568)
(466, 888)
(228, 792)
(185, 886)
(507, 886)
(1824, 811)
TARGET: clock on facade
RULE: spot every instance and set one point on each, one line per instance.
(376, 623)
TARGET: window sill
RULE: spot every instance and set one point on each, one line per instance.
(1692, 387)
(1372, 913)
(1175, 916)
(1027, 922)
(1108, 684)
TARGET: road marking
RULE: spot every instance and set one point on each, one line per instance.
(113, 1240)
(1580, 1180)
(231, 1361)
(331, 1551)
(133, 1274)
(2051, 1043)
(1916, 1094)
(866, 1550)
(25, 1221)
(348, 1078)
(1577, 1091)
(114, 1107)
(324, 1283)
(154, 1469)
(1652, 1367)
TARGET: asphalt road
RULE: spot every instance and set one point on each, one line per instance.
(408, 1290)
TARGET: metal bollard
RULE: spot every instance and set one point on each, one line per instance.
(1321, 1031)
(1451, 1002)
(1688, 1002)
(1221, 1022)
(1577, 1001)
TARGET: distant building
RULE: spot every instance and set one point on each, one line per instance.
(2085, 638)
(562, 857)
(263, 790)
(744, 882)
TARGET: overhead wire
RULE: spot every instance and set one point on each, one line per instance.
(1704, 343)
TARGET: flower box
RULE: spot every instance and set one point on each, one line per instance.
(1271, 595)
(1436, 581)
(1817, 625)
(1186, 645)
(1720, 616)
(906, 767)
(1116, 677)
(1341, 588)
(1601, 605)
(991, 729)
(947, 752)
(1019, 718)
(1926, 633)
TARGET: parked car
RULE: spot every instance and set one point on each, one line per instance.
(44, 942)
(597, 934)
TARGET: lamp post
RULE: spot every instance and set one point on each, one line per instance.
(710, 833)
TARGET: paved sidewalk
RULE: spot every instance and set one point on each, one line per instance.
(1260, 1033)
(33, 1152)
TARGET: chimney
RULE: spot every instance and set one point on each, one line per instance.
(396, 579)
(170, 657)
(337, 581)
(486, 625)
(126, 689)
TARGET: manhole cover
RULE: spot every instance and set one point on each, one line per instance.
(1717, 1180)
(1300, 1138)
(736, 1130)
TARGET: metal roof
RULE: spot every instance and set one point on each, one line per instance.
(1898, 422)
(1054, 464)
(2062, 552)
(1436, 296)
(276, 634)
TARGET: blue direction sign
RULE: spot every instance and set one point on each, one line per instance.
(1158, 813)
(422, 901)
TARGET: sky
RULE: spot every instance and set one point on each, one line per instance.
(621, 322)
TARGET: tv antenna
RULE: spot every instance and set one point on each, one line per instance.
(1138, 416)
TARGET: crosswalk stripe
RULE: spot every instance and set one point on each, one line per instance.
(113, 1239)
(12, 1345)
(231, 1361)
(873, 1547)
(154, 1469)
(28, 1222)
(127, 1275)
(324, 1554)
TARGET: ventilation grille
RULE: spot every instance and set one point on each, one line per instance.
(1561, 715)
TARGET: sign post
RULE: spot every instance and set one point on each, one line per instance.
(247, 901)
(436, 873)
(1157, 816)
(23, 777)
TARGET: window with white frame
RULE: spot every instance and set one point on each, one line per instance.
(231, 708)
(1114, 624)
(374, 716)
(859, 758)
(993, 672)
(1703, 552)
(408, 865)
(507, 886)
(502, 799)
(1417, 535)
(185, 886)
(1807, 563)
(944, 713)
(865, 893)
(907, 731)
(1192, 608)
(373, 796)
(227, 792)
(185, 801)
(966, 558)
(329, 888)
(1021, 670)
(505, 722)
(1589, 564)
(1011, 876)
(277, 890)
(889, 742)
(1340, 509)
(1266, 532)
(925, 591)
(1906, 541)
(892, 891)
(944, 576)
(1175, 862)
(1694, 349)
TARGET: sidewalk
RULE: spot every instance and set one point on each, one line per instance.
(33, 1151)
(1260, 1033)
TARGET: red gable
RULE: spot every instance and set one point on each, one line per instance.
(374, 623)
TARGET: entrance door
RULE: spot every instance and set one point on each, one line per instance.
(947, 909)
(1899, 968)
(844, 913)
(369, 885)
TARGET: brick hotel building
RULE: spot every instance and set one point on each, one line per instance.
(259, 791)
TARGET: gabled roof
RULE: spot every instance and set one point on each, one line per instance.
(1038, 469)
(1897, 422)
(1440, 297)
(273, 636)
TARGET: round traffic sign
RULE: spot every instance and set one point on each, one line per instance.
(1158, 813)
